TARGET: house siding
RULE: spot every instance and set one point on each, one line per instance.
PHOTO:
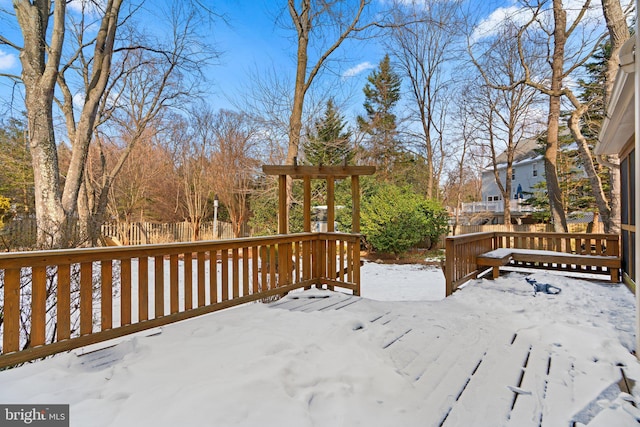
(524, 176)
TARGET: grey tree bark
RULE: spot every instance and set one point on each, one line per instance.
(56, 205)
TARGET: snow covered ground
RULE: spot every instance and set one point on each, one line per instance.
(260, 365)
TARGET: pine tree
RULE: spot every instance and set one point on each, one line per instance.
(593, 94)
(382, 93)
(329, 143)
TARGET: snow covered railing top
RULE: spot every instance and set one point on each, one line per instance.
(503, 252)
(462, 250)
(53, 301)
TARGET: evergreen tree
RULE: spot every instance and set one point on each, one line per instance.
(382, 93)
(573, 182)
(593, 94)
(329, 143)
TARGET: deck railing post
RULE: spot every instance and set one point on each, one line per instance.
(449, 266)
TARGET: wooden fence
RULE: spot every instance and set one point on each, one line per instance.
(142, 233)
(21, 234)
(598, 227)
(462, 250)
(59, 300)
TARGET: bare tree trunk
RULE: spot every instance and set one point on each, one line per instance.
(303, 22)
(50, 217)
(556, 204)
(39, 74)
(56, 207)
(554, 192)
(99, 77)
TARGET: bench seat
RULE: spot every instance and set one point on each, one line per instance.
(503, 256)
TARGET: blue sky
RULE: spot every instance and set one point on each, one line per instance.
(251, 41)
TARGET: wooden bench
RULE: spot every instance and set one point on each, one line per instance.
(551, 260)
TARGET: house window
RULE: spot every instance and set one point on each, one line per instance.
(535, 169)
(493, 198)
(513, 175)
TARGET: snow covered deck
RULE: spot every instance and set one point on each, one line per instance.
(493, 354)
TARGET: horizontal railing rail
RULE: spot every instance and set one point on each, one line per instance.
(53, 301)
(462, 250)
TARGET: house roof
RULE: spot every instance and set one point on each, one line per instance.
(525, 151)
(618, 125)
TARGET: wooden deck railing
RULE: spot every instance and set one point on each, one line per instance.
(462, 250)
(54, 301)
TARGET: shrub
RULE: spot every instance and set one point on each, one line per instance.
(437, 220)
(395, 219)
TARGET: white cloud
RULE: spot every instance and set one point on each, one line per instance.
(354, 71)
(520, 15)
(492, 23)
(78, 100)
(7, 60)
(87, 6)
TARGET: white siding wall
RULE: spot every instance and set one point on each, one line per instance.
(523, 175)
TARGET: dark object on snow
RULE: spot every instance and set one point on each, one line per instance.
(542, 287)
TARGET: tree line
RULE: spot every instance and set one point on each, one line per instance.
(115, 125)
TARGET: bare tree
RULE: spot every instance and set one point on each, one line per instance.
(49, 61)
(609, 210)
(145, 83)
(193, 143)
(324, 23)
(338, 20)
(547, 23)
(422, 40)
(235, 164)
(461, 177)
(505, 111)
(146, 188)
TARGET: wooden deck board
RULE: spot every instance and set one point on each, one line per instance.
(527, 409)
(493, 378)
(444, 382)
(520, 381)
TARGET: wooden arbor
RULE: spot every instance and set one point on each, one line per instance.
(328, 173)
(321, 260)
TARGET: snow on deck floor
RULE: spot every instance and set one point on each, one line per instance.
(490, 355)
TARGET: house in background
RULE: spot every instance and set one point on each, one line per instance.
(618, 137)
(528, 170)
